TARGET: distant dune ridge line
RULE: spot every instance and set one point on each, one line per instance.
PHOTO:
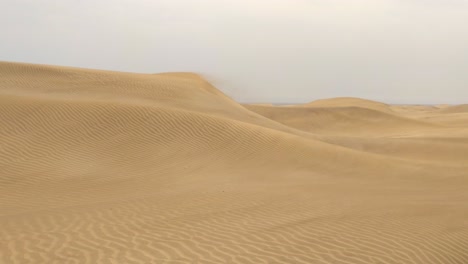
(113, 167)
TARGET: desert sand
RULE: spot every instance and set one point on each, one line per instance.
(112, 167)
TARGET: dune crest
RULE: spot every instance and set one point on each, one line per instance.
(113, 167)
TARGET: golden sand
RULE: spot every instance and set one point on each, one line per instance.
(111, 167)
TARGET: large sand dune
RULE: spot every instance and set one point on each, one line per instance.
(111, 167)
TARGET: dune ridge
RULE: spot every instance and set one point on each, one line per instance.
(113, 167)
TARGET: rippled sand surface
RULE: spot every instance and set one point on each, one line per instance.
(110, 167)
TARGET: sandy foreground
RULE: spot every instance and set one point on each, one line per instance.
(110, 167)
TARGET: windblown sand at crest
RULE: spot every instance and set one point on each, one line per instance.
(109, 167)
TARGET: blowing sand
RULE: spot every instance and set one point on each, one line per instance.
(111, 167)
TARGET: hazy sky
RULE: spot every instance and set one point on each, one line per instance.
(398, 51)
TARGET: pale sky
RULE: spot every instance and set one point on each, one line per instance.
(282, 51)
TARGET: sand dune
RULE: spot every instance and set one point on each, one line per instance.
(349, 102)
(110, 167)
(455, 109)
(452, 116)
(342, 120)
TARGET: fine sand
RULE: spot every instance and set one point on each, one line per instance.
(110, 167)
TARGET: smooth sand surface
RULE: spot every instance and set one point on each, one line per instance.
(110, 167)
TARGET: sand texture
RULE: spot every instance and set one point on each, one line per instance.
(110, 167)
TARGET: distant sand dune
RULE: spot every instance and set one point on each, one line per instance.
(455, 109)
(110, 167)
(350, 101)
(341, 120)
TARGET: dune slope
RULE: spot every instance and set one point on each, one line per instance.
(110, 167)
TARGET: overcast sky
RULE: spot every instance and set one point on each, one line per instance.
(283, 51)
